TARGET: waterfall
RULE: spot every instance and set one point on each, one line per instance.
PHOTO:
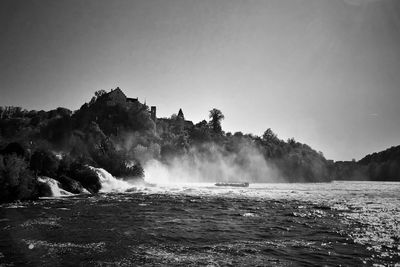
(56, 191)
(109, 183)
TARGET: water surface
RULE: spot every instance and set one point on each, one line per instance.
(339, 223)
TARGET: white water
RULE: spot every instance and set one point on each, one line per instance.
(109, 183)
(56, 191)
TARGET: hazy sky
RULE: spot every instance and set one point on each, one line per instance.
(324, 72)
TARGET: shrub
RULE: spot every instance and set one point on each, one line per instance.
(16, 180)
(43, 162)
(14, 148)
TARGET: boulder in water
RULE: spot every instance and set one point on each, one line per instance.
(44, 189)
(86, 177)
(70, 185)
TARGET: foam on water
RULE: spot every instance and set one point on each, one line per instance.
(109, 183)
(49, 221)
(63, 247)
(56, 191)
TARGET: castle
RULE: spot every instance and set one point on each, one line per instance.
(117, 97)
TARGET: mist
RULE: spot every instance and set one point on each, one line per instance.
(210, 163)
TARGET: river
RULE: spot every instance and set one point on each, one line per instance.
(338, 223)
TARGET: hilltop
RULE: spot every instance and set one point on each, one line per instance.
(120, 134)
(378, 166)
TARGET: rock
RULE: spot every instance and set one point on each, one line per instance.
(86, 177)
(70, 184)
(44, 189)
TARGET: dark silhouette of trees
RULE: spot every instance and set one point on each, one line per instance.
(215, 120)
(43, 162)
(16, 180)
(14, 148)
(100, 93)
(98, 133)
(269, 136)
(380, 166)
(200, 133)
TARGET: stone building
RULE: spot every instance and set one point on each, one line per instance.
(174, 124)
(117, 97)
(153, 113)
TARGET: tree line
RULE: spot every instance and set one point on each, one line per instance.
(60, 143)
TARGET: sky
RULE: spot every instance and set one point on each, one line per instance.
(326, 72)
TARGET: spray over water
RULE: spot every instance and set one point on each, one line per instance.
(211, 163)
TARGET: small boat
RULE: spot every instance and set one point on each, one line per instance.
(246, 184)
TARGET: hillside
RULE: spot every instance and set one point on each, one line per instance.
(379, 166)
(121, 134)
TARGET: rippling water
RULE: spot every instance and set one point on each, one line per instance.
(340, 223)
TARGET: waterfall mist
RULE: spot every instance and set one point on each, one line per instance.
(212, 163)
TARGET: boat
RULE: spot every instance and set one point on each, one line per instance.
(246, 184)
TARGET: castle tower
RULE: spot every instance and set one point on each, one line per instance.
(153, 113)
(180, 114)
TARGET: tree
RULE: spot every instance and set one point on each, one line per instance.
(43, 162)
(97, 95)
(200, 132)
(269, 136)
(16, 181)
(291, 141)
(100, 93)
(216, 116)
(14, 148)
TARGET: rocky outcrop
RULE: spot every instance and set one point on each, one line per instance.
(70, 185)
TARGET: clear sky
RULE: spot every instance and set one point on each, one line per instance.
(326, 72)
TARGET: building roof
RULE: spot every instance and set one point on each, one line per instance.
(115, 91)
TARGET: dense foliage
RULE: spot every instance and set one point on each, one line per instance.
(381, 166)
(120, 136)
(16, 180)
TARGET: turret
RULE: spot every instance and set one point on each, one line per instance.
(180, 114)
(153, 113)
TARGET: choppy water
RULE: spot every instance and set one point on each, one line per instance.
(340, 223)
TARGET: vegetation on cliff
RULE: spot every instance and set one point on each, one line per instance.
(118, 134)
(380, 166)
